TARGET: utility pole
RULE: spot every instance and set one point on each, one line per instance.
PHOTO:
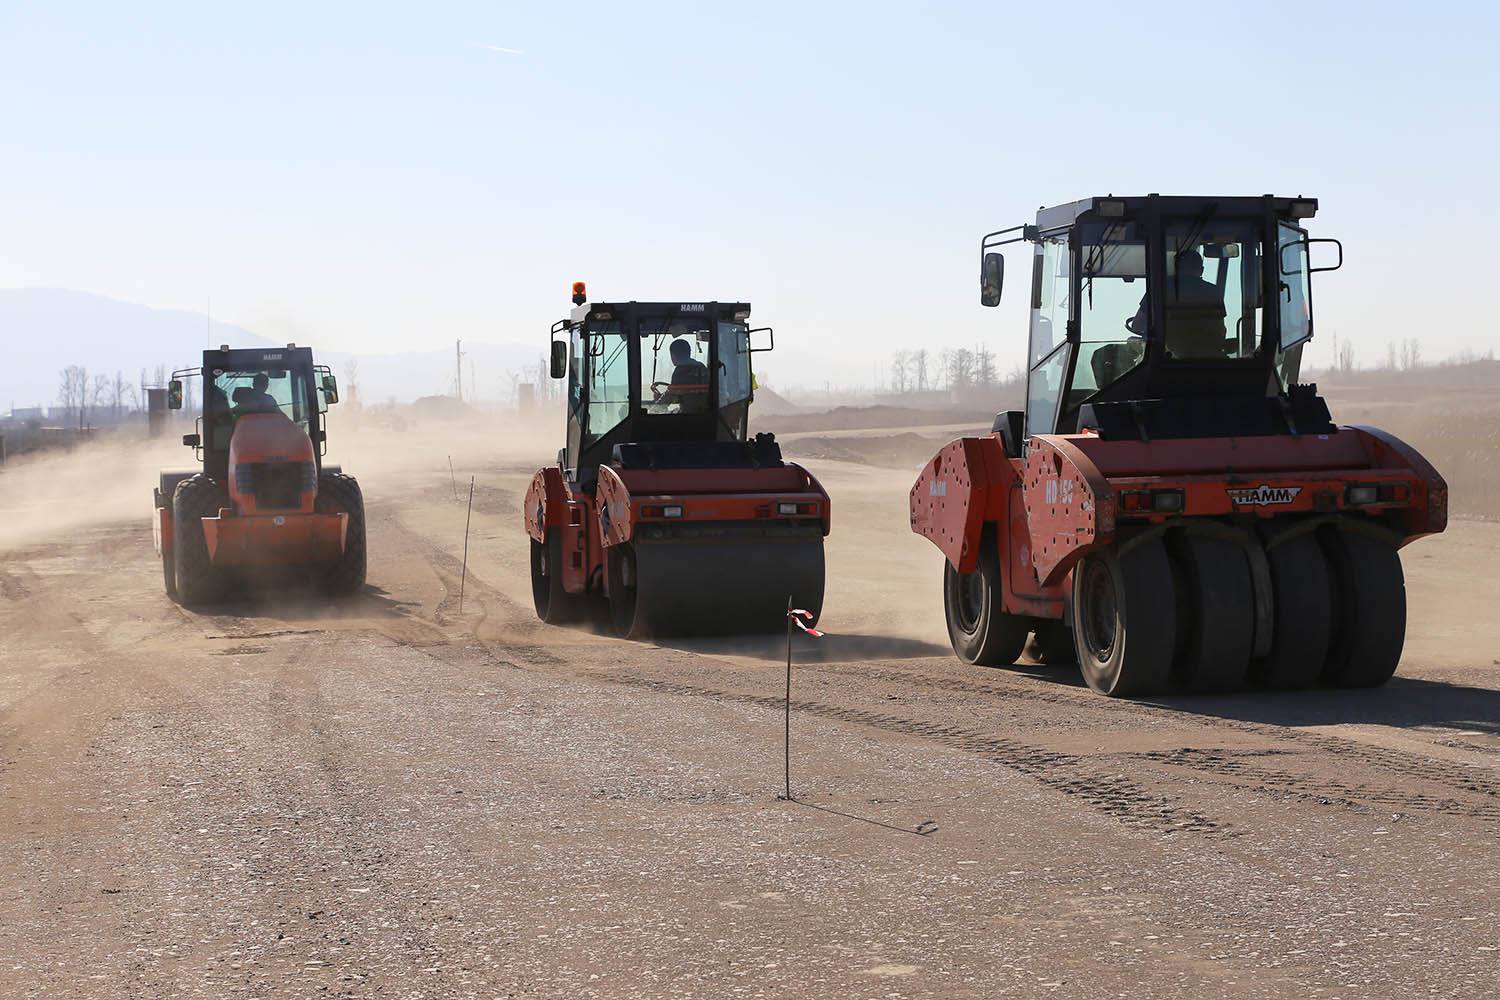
(458, 372)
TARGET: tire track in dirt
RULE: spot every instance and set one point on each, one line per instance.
(1111, 793)
(1222, 764)
(298, 836)
(1474, 778)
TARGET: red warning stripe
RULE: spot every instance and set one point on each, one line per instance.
(796, 615)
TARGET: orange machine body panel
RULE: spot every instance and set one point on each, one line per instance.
(1073, 493)
(265, 438)
(256, 531)
(274, 539)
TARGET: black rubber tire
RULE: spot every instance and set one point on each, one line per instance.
(1216, 612)
(1303, 610)
(619, 564)
(1052, 644)
(553, 604)
(1124, 615)
(168, 569)
(1370, 609)
(340, 494)
(980, 632)
(195, 498)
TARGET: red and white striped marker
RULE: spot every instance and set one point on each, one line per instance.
(796, 615)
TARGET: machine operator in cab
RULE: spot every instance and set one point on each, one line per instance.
(688, 374)
(1195, 311)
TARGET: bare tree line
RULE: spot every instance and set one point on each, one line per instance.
(85, 398)
(952, 369)
(1403, 355)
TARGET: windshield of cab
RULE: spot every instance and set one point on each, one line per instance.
(234, 393)
(674, 364)
(1211, 284)
(1211, 279)
(1112, 303)
(675, 359)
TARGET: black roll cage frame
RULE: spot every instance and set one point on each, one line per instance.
(644, 425)
(1158, 373)
(249, 359)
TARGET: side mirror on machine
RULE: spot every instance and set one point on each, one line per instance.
(1319, 259)
(559, 359)
(991, 279)
(174, 394)
(759, 344)
(330, 389)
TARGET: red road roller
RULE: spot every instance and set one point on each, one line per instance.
(1174, 509)
(660, 504)
(262, 501)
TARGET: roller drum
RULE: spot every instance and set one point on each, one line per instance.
(715, 580)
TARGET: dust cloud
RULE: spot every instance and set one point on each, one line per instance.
(49, 495)
(391, 449)
(45, 496)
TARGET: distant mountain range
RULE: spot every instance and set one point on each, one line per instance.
(44, 330)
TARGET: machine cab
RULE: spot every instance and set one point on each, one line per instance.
(1166, 316)
(646, 372)
(246, 381)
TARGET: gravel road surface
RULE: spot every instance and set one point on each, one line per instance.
(387, 797)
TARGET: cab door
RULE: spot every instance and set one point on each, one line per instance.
(577, 355)
(1051, 347)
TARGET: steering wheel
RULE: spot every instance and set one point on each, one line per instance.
(657, 392)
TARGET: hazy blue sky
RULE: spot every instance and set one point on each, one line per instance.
(373, 176)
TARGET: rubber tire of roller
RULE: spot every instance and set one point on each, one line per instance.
(554, 605)
(195, 498)
(1052, 644)
(1216, 613)
(1138, 659)
(340, 494)
(1370, 608)
(168, 566)
(1303, 614)
(982, 634)
(624, 601)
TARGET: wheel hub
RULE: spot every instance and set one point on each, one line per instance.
(1099, 611)
(970, 600)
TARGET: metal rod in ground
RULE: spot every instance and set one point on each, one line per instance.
(464, 573)
(787, 719)
(452, 477)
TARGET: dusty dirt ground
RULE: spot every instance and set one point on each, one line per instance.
(389, 797)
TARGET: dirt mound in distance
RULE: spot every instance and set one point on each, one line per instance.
(847, 418)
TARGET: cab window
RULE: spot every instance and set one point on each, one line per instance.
(734, 363)
(608, 366)
(674, 365)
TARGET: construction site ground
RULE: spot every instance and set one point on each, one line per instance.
(390, 796)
